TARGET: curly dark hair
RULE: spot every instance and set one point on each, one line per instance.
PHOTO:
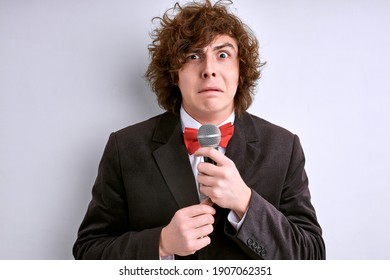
(196, 25)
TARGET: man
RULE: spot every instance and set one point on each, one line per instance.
(154, 199)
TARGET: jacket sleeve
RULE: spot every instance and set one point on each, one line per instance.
(104, 233)
(289, 230)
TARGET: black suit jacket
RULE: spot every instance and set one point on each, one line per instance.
(145, 176)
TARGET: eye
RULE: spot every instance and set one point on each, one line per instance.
(193, 56)
(223, 55)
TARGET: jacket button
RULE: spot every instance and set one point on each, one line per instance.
(263, 252)
(258, 249)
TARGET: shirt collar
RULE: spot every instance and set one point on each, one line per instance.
(190, 122)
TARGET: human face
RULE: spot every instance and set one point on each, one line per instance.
(208, 80)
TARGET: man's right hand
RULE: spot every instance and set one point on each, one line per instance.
(188, 230)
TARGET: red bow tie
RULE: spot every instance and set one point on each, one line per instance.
(191, 137)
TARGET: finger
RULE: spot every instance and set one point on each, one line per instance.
(215, 194)
(206, 190)
(214, 154)
(207, 201)
(196, 210)
(202, 220)
(207, 168)
(202, 241)
(194, 245)
(206, 179)
(203, 231)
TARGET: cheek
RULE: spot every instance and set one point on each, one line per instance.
(184, 76)
(237, 73)
(181, 77)
(234, 72)
(233, 80)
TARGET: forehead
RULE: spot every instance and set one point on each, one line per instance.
(220, 41)
(224, 39)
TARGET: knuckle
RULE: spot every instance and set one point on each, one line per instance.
(210, 229)
(181, 228)
(207, 240)
(191, 246)
(179, 214)
(225, 173)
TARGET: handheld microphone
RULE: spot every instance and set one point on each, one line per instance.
(209, 135)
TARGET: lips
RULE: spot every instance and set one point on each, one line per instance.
(208, 89)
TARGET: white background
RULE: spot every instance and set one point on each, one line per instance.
(72, 71)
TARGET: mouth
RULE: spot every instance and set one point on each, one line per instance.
(210, 89)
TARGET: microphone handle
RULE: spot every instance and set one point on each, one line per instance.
(209, 160)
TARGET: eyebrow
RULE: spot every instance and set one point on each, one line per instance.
(224, 45)
(216, 48)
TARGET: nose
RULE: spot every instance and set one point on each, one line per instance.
(209, 68)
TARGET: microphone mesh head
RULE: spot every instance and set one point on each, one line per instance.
(209, 135)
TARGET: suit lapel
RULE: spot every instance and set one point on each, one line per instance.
(172, 159)
(242, 148)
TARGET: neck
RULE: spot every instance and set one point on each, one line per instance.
(215, 119)
(189, 121)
